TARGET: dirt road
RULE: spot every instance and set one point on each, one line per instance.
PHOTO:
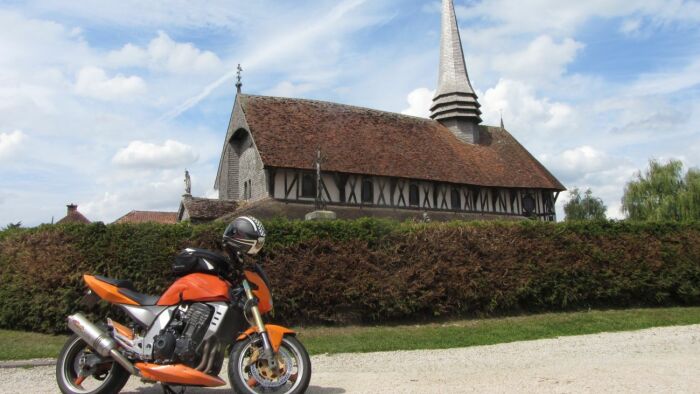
(655, 360)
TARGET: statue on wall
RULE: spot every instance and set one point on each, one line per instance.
(188, 183)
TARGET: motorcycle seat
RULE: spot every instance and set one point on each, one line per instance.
(126, 287)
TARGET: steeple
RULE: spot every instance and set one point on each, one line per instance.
(455, 104)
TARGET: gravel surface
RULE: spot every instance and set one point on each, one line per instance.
(654, 360)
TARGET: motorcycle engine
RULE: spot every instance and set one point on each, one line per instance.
(180, 341)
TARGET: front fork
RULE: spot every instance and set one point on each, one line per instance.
(268, 351)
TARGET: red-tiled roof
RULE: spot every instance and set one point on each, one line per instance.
(357, 140)
(148, 216)
(74, 217)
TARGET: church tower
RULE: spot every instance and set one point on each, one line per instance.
(455, 104)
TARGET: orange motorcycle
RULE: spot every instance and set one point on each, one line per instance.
(181, 337)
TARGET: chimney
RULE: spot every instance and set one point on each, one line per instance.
(72, 208)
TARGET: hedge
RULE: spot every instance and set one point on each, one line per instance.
(370, 271)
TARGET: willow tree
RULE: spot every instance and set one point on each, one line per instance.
(663, 193)
(584, 207)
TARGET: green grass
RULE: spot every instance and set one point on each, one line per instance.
(489, 331)
(18, 345)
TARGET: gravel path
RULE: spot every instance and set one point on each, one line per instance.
(654, 360)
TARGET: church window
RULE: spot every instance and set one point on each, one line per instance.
(308, 186)
(413, 195)
(245, 190)
(367, 191)
(456, 199)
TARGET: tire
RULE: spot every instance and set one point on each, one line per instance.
(239, 377)
(66, 373)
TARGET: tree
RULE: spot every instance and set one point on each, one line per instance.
(586, 207)
(12, 226)
(663, 193)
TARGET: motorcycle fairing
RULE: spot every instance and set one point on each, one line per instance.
(196, 288)
(178, 374)
(107, 291)
(262, 293)
(276, 334)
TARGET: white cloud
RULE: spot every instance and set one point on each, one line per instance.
(631, 26)
(419, 102)
(543, 60)
(171, 154)
(523, 110)
(308, 40)
(163, 53)
(93, 82)
(565, 16)
(668, 81)
(574, 164)
(10, 143)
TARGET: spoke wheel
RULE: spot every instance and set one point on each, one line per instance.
(249, 373)
(80, 370)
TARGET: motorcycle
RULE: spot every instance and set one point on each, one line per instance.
(181, 337)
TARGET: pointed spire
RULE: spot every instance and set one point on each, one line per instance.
(455, 103)
(502, 126)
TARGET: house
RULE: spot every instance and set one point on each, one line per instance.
(73, 216)
(378, 163)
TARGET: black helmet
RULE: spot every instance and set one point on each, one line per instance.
(245, 234)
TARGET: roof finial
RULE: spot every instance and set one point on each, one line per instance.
(502, 126)
(239, 84)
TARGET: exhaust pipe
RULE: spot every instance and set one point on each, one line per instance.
(99, 340)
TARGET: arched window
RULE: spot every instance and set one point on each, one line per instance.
(367, 191)
(456, 199)
(413, 195)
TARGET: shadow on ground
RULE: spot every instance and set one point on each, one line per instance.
(156, 389)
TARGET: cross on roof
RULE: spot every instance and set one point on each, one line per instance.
(239, 84)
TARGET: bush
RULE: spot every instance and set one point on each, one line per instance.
(370, 271)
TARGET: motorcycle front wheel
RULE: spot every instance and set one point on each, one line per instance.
(250, 374)
(77, 371)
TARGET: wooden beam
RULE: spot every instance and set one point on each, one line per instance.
(402, 199)
(352, 180)
(426, 198)
(381, 183)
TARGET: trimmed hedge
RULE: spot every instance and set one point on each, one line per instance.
(369, 271)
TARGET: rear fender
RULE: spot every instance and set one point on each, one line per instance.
(276, 333)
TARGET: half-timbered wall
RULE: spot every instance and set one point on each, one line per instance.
(346, 189)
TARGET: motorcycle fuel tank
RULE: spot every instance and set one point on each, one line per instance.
(196, 287)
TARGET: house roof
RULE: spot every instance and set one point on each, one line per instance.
(74, 217)
(148, 216)
(206, 209)
(287, 133)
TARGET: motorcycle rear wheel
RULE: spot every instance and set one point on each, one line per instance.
(243, 380)
(109, 378)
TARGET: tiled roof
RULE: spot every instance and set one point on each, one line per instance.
(357, 140)
(148, 216)
(207, 209)
(74, 217)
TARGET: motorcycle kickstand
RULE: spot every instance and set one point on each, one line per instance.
(168, 390)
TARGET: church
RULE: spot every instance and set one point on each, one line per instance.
(383, 164)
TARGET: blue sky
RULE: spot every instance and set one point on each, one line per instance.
(105, 104)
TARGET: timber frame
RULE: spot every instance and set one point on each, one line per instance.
(342, 189)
